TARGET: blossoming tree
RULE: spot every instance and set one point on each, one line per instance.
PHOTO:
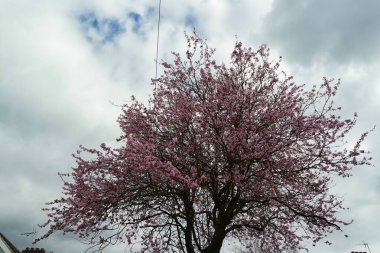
(222, 152)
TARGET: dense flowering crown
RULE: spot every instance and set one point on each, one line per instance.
(222, 151)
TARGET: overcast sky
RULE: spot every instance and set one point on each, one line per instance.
(63, 64)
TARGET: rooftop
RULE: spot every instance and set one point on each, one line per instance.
(6, 246)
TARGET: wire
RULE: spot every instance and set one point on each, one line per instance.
(367, 246)
(158, 39)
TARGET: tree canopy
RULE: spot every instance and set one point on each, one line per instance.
(233, 151)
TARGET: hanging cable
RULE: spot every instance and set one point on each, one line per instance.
(158, 39)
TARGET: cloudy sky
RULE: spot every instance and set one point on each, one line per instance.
(66, 65)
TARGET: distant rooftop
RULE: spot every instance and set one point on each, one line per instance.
(6, 246)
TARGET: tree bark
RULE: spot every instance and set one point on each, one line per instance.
(189, 240)
(189, 223)
(216, 242)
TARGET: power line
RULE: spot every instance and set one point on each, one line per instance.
(365, 245)
(158, 38)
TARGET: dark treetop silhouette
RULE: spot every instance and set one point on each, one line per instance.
(233, 151)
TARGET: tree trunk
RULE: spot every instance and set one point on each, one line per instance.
(189, 239)
(189, 223)
(216, 242)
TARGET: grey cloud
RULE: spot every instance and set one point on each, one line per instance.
(342, 30)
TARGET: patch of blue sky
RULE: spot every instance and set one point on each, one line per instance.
(114, 28)
(136, 18)
(151, 12)
(101, 30)
(190, 21)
